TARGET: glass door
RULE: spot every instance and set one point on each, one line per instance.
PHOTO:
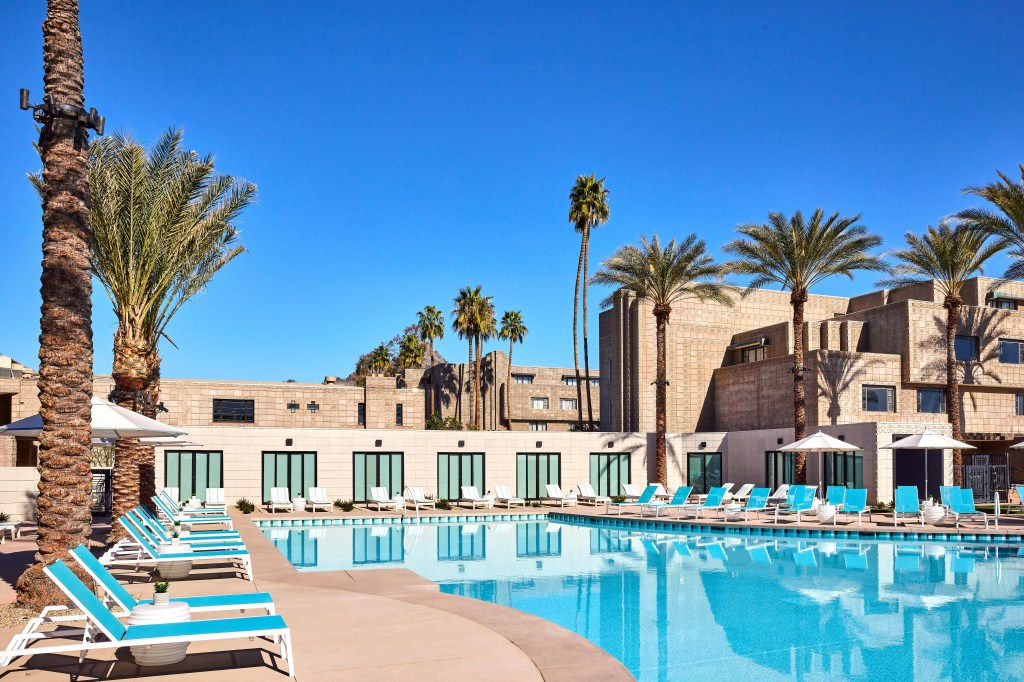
(703, 471)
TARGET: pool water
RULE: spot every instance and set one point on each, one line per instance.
(710, 607)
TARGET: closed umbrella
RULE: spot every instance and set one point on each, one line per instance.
(927, 440)
(820, 442)
(108, 421)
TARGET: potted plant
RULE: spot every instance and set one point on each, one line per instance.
(176, 533)
(160, 596)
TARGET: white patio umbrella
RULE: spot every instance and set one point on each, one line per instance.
(927, 440)
(820, 442)
(108, 421)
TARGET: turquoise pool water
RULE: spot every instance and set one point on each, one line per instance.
(710, 607)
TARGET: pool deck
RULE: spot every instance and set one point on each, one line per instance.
(346, 625)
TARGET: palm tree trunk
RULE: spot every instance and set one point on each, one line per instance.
(576, 338)
(430, 379)
(586, 352)
(478, 407)
(953, 385)
(129, 374)
(798, 299)
(65, 341)
(661, 397)
(147, 453)
(508, 387)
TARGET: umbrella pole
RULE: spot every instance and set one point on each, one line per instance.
(926, 475)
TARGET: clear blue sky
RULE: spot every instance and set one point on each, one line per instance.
(403, 150)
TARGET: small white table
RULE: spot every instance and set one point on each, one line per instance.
(826, 513)
(174, 570)
(298, 503)
(149, 614)
(399, 502)
(11, 527)
(933, 514)
(194, 503)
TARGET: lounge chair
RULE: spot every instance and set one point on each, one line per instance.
(678, 500)
(188, 520)
(215, 499)
(712, 501)
(781, 495)
(907, 504)
(1020, 496)
(280, 499)
(803, 502)
(172, 502)
(588, 495)
(757, 502)
(645, 498)
(963, 505)
(122, 598)
(472, 495)
(630, 491)
(740, 495)
(555, 494)
(946, 496)
(147, 553)
(855, 501)
(503, 495)
(416, 498)
(157, 534)
(318, 498)
(104, 623)
(379, 496)
(154, 522)
(835, 495)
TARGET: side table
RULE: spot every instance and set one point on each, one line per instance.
(298, 504)
(174, 570)
(150, 614)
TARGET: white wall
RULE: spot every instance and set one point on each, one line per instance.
(18, 492)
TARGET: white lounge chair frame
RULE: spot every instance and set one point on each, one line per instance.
(503, 495)
(279, 499)
(318, 498)
(379, 496)
(555, 494)
(472, 495)
(588, 495)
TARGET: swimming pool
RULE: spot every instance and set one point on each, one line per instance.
(675, 606)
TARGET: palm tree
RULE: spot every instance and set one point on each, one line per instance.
(513, 329)
(797, 254)
(1007, 223)
(431, 326)
(664, 276)
(949, 255)
(463, 323)
(588, 209)
(486, 328)
(410, 352)
(162, 228)
(380, 359)
(65, 340)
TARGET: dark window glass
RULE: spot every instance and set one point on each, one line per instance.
(878, 399)
(703, 471)
(398, 414)
(233, 410)
(608, 472)
(536, 470)
(455, 470)
(781, 468)
(753, 354)
(1003, 304)
(965, 348)
(844, 468)
(361, 414)
(1010, 352)
(1019, 404)
(931, 400)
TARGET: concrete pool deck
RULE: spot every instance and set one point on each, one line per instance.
(346, 625)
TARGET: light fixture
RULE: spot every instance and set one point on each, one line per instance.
(778, 441)
(462, 443)
(50, 109)
(540, 444)
(703, 444)
(377, 443)
(611, 444)
(287, 442)
(842, 436)
(312, 407)
(293, 407)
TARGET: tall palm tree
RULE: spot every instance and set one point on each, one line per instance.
(797, 254)
(949, 255)
(1007, 221)
(486, 328)
(430, 326)
(380, 359)
(588, 209)
(664, 275)
(163, 226)
(512, 329)
(65, 340)
(410, 352)
(464, 324)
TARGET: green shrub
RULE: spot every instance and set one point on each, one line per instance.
(535, 504)
(160, 588)
(618, 498)
(245, 506)
(442, 504)
(4, 517)
(345, 505)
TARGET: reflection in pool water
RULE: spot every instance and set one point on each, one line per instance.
(699, 606)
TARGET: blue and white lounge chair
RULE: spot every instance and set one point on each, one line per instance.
(189, 511)
(678, 500)
(907, 504)
(803, 502)
(855, 501)
(189, 520)
(712, 502)
(154, 521)
(122, 598)
(158, 535)
(835, 495)
(963, 505)
(644, 499)
(105, 631)
(146, 553)
(946, 496)
(757, 502)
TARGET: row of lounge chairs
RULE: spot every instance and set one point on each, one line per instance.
(102, 611)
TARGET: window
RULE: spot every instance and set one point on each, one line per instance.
(539, 403)
(456, 469)
(753, 354)
(703, 471)
(538, 426)
(522, 378)
(231, 410)
(932, 400)
(461, 542)
(1002, 304)
(965, 348)
(567, 403)
(293, 470)
(1019, 404)
(361, 414)
(1011, 352)
(608, 471)
(533, 540)
(377, 470)
(534, 470)
(377, 545)
(398, 414)
(569, 381)
(192, 472)
(781, 468)
(844, 468)
(878, 398)
(26, 453)
(596, 381)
